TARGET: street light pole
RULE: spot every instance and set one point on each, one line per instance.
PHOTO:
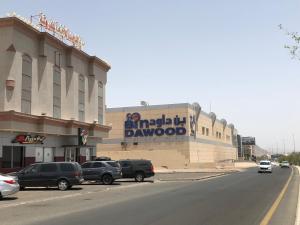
(294, 143)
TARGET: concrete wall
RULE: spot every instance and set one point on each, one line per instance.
(169, 151)
(162, 154)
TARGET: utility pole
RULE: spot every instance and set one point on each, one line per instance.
(294, 143)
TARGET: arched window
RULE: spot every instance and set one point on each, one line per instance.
(100, 102)
(81, 98)
(56, 92)
(26, 84)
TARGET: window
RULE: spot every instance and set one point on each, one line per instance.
(100, 102)
(56, 92)
(98, 164)
(48, 168)
(57, 58)
(31, 169)
(12, 156)
(124, 164)
(207, 132)
(113, 164)
(66, 167)
(26, 84)
(203, 130)
(81, 98)
(86, 165)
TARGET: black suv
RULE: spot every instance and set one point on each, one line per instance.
(103, 171)
(61, 174)
(137, 169)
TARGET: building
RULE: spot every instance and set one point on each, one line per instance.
(52, 97)
(172, 136)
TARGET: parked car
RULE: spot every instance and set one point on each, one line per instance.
(8, 185)
(61, 174)
(139, 169)
(265, 166)
(284, 164)
(104, 171)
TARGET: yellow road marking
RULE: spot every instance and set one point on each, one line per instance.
(273, 208)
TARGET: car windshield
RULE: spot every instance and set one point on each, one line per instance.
(264, 163)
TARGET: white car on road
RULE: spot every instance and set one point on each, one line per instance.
(284, 164)
(265, 166)
(8, 185)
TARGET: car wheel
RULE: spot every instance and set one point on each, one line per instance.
(139, 177)
(63, 185)
(107, 179)
(22, 188)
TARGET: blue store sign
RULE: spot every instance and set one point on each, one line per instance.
(137, 127)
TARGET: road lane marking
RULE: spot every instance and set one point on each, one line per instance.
(297, 221)
(273, 208)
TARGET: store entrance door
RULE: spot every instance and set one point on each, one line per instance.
(71, 154)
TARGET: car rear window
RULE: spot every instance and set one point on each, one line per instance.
(113, 164)
(66, 167)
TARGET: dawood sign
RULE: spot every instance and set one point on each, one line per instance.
(135, 126)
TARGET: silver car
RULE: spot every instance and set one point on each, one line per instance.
(8, 185)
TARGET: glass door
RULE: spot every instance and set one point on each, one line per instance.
(71, 154)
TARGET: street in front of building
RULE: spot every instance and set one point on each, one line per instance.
(236, 198)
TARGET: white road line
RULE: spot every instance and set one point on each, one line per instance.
(297, 221)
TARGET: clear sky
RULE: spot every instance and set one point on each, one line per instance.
(227, 53)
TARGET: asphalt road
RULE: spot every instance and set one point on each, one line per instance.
(236, 199)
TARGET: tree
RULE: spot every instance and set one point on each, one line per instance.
(295, 46)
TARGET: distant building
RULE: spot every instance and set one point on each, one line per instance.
(172, 135)
(52, 98)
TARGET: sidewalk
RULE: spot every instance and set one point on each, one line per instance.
(239, 166)
(190, 176)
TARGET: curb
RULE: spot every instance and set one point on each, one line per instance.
(195, 179)
(175, 171)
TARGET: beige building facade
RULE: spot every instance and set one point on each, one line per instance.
(52, 98)
(172, 136)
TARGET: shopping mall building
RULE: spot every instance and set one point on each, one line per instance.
(51, 96)
(172, 136)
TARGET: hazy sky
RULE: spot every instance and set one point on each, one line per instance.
(227, 53)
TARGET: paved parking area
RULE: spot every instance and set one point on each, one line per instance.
(32, 195)
(38, 195)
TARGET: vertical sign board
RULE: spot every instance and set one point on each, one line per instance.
(82, 137)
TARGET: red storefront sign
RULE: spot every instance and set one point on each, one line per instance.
(28, 139)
